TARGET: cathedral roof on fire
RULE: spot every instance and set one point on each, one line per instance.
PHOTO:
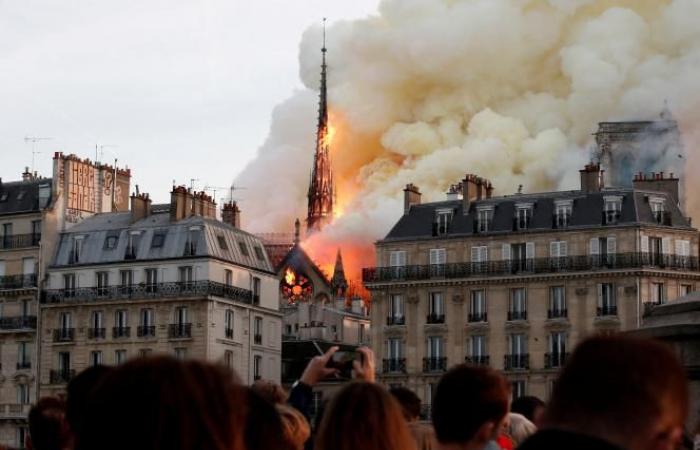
(298, 259)
(587, 211)
(106, 239)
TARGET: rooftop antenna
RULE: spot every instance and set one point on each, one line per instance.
(34, 140)
(100, 151)
(192, 180)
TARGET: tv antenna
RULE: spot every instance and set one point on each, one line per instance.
(231, 189)
(192, 180)
(34, 140)
(100, 151)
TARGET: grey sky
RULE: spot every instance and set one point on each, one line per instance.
(183, 88)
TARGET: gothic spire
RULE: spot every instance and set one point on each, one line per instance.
(339, 283)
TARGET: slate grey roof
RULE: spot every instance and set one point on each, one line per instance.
(209, 235)
(22, 196)
(587, 212)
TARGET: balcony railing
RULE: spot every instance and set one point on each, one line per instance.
(516, 362)
(517, 315)
(477, 317)
(578, 263)
(257, 339)
(435, 364)
(228, 332)
(18, 323)
(146, 331)
(17, 281)
(180, 330)
(14, 410)
(607, 310)
(63, 334)
(23, 365)
(554, 360)
(20, 241)
(61, 376)
(147, 291)
(121, 332)
(479, 360)
(396, 320)
(435, 318)
(394, 365)
(557, 313)
(96, 333)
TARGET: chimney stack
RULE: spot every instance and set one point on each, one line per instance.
(411, 196)
(140, 206)
(658, 182)
(180, 203)
(26, 175)
(471, 191)
(231, 214)
(591, 178)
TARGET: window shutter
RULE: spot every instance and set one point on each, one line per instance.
(612, 245)
(563, 248)
(686, 248)
(679, 247)
(475, 254)
(644, 243)
(484, 254)
(393, 259)
(595, 246)
(600, 295)
(505, 252)
(554, 249)
(666, 245)
(442, 256)
(529, 250)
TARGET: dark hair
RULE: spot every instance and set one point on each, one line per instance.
(79, 391)
(48, 429)
(263, 425)
(466, 398)
(163, 403)
(272, 392)
(364, 416)
(617, 386)
(526, 405)
(409, 401)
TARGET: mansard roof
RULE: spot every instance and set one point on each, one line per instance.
(587, 212)
(22, 196)
(95, 230)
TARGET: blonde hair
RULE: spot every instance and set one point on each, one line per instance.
(520, 428)
(295, 427)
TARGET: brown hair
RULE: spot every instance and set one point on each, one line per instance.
(48, 428)
(295, 427)
(466, 398)
(617, 386)
(272, 392)
(162, 403)
(364, 416)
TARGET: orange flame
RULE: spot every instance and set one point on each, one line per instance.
(289, 276)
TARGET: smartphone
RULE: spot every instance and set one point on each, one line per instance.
(343, 362)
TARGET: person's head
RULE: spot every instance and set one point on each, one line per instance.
(48, 429)
(163, 403)
(78, 393)
(364, 416)
(520, 428)
(629, 391)
(529, 406)
(470, 405)
(409, 401)
(272, 392)
(264, 428)
(295, 427)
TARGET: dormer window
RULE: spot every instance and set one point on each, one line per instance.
(132, 244)
(191, 244)
(484, 217)
(443, 217)
(658, 210)
(111, 241)
(523, 216)
(76, 250)
(613, 207)
(562, 213)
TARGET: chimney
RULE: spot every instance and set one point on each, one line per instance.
(591, 178)
(231, 215)
(658, 182)
(26, 175)
(180, 203)
(469, 191)
(140, 206)
(411, 196)
(489, 188)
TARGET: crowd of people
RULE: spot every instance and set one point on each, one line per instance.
(615, 393)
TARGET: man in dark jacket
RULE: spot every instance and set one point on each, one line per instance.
(616, 393)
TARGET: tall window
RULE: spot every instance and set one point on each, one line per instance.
(394, 348)
(396, 310)
(23, 361)
(518, 304)
(562, 213)
(23, 394)
(69, 284)
(603, 250)
(96, 329)
(517, 344)
(119, 356)
(612, 209)
(181, 353)
(443, 217)
(64, 320)
(228, 359)
(557, 350)
(151, 280)
(483, 220)
(558, 251)
(607, 304)
(77, 250)
(132, 245)
(658, 293)
(228, 323)
(126, 280)
(256, 290)
(477, 348)
(397, 261)
(435, 346)
(121, 324)
(102, 282)
(147, 326)
(257, 330)
(479, 256)
(684, 289)
(658, 210)
(191, 244)
(257, 367)
(436, 308)
(557, 302)
(64, 363)
(518, 389)
(477, 304)
(228, 277)
(185, 276)
(95, 358)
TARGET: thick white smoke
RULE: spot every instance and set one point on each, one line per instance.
(511, 90)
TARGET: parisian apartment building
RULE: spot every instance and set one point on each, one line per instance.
(514, 282)
(167, 279)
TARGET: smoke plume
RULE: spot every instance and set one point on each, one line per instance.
(428, 90)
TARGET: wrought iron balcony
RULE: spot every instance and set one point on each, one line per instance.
(554, 360)
(146, 331)
(96, 333)
(257, 339)
(519, 361)
(20, 241)
(577, 263)
(63, 334)
(148, 291)
(23, 365)
(557, 313)
(435, 318)
(434, 364)
(480, 360)
(394, 365)
(180, 330)
(14, 411)
(18, 323)
(61, 376)
(477, 317)
(396, 320)
(18, 281)
(607, 310)
(517, 315)
(121, 332)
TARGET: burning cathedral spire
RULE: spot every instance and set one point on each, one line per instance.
(321, 189)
